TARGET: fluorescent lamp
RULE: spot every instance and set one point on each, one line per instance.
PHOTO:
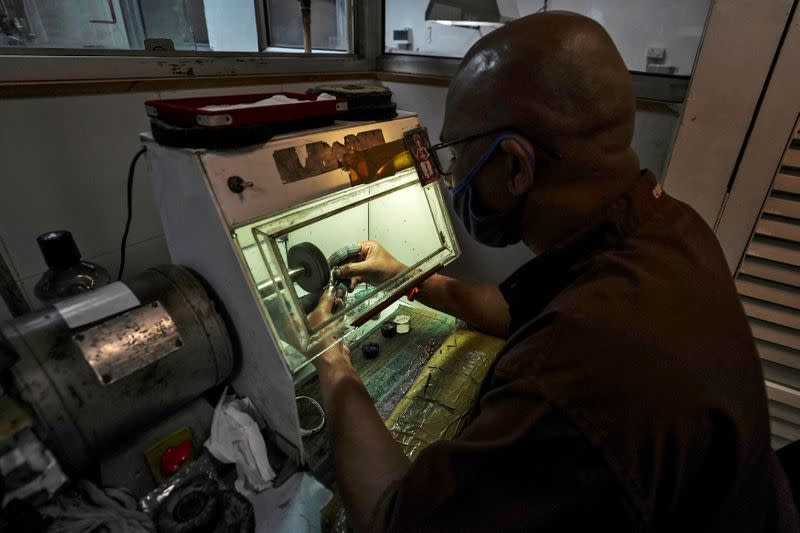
(468, 23)
(472, 13)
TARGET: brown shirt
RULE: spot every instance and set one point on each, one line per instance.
(629, 396)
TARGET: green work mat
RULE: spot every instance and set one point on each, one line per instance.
(387, 377)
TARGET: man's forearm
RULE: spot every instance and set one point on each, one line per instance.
(483, 306)
(366, 456)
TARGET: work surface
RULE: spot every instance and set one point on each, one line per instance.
(424, 384)
(387, 377)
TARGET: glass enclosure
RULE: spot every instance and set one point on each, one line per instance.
(291, 255)
(656, 36)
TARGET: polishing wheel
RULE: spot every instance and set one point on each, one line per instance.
(315, 271)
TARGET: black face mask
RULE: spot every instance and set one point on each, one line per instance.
(496, 229)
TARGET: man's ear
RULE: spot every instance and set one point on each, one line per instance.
(521, 180)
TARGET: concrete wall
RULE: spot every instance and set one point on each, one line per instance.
(676, 25)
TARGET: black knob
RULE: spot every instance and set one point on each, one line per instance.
(370, 350)
(59, 249)
(389, 329)
(238, 185)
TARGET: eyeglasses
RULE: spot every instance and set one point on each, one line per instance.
(441, 153)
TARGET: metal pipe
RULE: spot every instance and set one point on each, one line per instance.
(305, 9)
(267, 288)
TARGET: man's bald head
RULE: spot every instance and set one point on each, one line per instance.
(558, 81)
(555, 77)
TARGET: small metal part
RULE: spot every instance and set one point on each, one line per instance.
(339, 297)
(370, 350)
(122, 345)
(237, 185)
(389, 330)
(267, 288)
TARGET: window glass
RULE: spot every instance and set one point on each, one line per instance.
(658, 36)
(194, 25)
(329, 24)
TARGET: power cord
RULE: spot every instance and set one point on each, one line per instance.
(130, 212)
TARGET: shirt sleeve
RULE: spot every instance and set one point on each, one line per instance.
(520, 464)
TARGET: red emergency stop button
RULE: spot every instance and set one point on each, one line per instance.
(174, 457)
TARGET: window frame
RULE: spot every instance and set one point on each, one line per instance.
(25, 65)
(50, 65)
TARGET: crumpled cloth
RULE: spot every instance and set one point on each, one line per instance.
(85, 508)
(236, 438)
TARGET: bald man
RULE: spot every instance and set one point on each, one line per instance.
(629, 395)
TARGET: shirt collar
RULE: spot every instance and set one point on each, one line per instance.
(534, 284)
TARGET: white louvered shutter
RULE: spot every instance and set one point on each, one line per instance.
(768, 282)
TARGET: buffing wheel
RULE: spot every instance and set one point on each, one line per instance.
(316, 272)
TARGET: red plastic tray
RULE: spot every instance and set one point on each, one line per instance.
(188, 112)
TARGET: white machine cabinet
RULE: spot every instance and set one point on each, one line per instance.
(248, 220)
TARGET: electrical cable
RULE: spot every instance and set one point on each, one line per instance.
(130, 212)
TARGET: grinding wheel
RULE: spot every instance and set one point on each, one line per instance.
(316, 272)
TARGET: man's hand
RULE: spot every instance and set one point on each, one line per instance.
(376, 266)
(335, 357)
(367, 457)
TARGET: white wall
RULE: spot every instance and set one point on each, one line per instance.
(676, 25)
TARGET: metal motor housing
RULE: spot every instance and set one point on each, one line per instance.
(82, 414)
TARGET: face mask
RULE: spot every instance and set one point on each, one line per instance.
(498, 228)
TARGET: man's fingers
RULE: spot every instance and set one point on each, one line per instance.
(326, 301)
(349, 270)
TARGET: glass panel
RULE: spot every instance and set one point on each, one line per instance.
(329, 24)
(407, 219)
(181, 21)
(197, 25)
(660, 36)
(59, 24)
(217, 25)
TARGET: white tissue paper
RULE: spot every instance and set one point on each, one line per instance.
(236, 438)
(278, 99)
(294, 506)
